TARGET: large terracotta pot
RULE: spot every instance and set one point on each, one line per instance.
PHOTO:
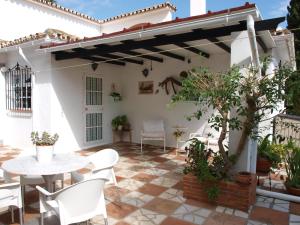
(292, 190)
(44, 154)
(263, 165)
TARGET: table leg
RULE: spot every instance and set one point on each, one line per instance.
(49, 179)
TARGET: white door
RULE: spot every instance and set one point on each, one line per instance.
(93, 110)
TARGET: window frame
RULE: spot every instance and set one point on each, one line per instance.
(18, 89)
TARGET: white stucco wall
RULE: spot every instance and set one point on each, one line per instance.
(15, 127)
(19, 18)
(156, 16)
(144, 107)
(68, 109)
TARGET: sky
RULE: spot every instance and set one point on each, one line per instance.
(102, 9)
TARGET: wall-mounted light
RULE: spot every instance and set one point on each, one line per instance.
(94, 66)
(3, 68)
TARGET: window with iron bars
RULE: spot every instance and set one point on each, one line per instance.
(18, 87)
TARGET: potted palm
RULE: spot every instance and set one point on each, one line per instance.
(292, 161)
(44, 146)
(267, 158)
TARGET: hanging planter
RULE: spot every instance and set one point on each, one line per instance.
(116, 96)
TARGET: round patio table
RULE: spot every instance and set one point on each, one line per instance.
(61, 163)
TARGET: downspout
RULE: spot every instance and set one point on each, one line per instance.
(253, 42)
(255, 60)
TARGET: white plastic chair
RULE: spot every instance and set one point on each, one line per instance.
(103, 162)
(11, 195)
(77, 203)
(153, 130)
(209, 137)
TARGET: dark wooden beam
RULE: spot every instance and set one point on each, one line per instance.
(261, 43)
(165, 53)
(130, 60)
(220, 44)
(109, 56)
(140, 55)
(193, 49)
(96, 59)
(197, 34)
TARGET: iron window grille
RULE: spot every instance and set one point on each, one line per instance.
(18, 88)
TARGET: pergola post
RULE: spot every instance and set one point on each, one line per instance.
(241, 56)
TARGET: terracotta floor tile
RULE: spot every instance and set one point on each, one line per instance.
(137, 168)
(113, 193)
(122, 223)
(166, 166)
(174, 221)
(144, 177)
(223, 219)
(159, 159)
(200, 204)
(119, 210)
(152, 189)
(162, 206)
(178, 186)
(270, 216)
(295, 208)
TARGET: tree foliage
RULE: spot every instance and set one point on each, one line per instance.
(293, 20)
(251, 96)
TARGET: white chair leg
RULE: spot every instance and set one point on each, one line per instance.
(114, 177)
(105, 221)
(141, 145)
(21, 216)
(23, 196)
(42, 218)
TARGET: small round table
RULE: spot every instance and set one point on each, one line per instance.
(61, 163)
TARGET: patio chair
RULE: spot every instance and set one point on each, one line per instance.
(10, 195)
(153, 130)
(77, 203)
(36, 180)
(103, 162)
(209, 137)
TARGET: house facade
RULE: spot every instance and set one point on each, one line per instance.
(77, 61)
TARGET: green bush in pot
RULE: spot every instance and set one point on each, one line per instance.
(119, 122)
(292, 161)
(267, 156)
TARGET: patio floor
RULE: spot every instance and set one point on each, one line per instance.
(149, 191)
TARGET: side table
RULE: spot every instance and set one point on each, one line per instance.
(119, 134)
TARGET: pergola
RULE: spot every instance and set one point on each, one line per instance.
(135, 50)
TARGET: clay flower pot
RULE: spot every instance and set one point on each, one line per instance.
(292, 190)
(244, 178)
(263, 165)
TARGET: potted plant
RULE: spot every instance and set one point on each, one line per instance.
(119, 122)
(267, 157)
(292, 161)
(116, 96)
(44, 146)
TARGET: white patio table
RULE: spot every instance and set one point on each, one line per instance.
(61, 163)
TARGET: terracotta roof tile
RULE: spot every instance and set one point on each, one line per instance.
(139, 11)
(71, 11)
(51, 33)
